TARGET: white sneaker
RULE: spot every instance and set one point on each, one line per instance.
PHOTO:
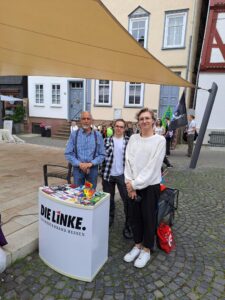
(142, 259)
(130, 256)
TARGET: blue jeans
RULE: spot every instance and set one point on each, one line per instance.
(80, 177)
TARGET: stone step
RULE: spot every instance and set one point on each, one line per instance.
(64, 131)
(21, 243)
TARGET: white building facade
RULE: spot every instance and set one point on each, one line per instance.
(167, 29)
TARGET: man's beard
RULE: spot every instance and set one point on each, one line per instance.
(86, 126)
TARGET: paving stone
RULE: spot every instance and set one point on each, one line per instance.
(108, 297)
(165, 291)
(218, 287)
(76, 295)
(38, 296)
(20, 279)
(220, 280)
(193, 296)
(186, 289)
(10, 295)
(158, 294)
(49, 298)
(180, 294)
(66, 293)
(43, 279)
(212, 297)
(159, 283)
(109, 290)
(119, 296)
(87, 295)
(172, 297)
(26, 295)
(201, 290)
(60, 285)
(45, 290)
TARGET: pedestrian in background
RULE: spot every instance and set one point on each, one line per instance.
(191, 128)
(103, 131)
(160, 130)
(109, 130)
(144, 156)
(168, 136)
(73, 126)
(129, 130)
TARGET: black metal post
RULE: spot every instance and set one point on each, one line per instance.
(202, 130)
(1, 114)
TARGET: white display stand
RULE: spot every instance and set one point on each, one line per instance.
(73, 239)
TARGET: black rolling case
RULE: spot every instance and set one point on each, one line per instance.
(168, 203)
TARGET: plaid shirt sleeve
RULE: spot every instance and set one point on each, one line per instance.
(107, 165)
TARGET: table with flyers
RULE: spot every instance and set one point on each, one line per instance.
(73, 234)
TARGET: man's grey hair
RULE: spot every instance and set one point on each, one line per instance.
(83, 112)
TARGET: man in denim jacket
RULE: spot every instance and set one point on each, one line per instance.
(85, 151)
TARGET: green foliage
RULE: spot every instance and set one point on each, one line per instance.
(18, 115)
(167, 113)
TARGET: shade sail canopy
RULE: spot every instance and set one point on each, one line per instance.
(74, 38)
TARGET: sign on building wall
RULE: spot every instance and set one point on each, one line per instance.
(117, 113)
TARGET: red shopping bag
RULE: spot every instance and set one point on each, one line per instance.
(165, 237)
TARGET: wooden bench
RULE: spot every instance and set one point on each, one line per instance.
(57, 171)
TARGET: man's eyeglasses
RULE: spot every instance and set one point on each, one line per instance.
(117, 126)
(88, 119)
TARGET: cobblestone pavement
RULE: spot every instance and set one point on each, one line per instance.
(194, 270)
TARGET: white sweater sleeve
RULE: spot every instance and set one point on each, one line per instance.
(148, 174)
(127, 171)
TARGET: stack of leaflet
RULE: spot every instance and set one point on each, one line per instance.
(84, 195)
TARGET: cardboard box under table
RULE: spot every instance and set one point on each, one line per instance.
(73, 238)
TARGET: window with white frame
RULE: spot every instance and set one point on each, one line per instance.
(39, 93)
(134, 94)
(138, 28)
(103, 92)
(138, 25)
(175, 28)
(56, 94)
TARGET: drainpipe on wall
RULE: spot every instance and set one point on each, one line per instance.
(189, 58)
(190, 49)
(203, 42)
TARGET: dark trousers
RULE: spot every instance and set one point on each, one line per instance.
(168, 143)
(109, 187)
(190, 142)
(166, 161)
(144, 216)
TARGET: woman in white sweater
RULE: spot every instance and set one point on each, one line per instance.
(144, 156)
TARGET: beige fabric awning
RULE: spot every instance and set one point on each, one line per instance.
(74, 38)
